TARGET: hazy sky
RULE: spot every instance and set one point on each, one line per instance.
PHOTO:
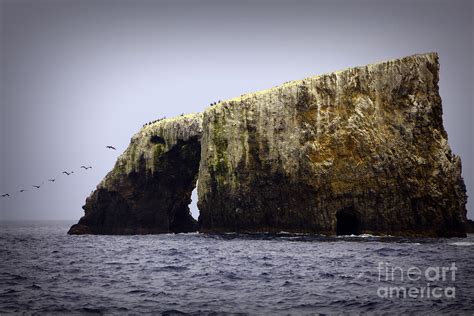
(79, 75)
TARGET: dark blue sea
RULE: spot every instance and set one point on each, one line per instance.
(44, 270)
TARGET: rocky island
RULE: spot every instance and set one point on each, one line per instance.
(361, 150)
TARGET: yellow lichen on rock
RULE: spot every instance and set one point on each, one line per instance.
(361, 150)
(147, 146)
(369, 139)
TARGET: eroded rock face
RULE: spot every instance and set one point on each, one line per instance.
(361, 150)
(149, 189)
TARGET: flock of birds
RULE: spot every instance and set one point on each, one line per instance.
(152, 122)
(68, 173)
(182, 114)
(52, 180)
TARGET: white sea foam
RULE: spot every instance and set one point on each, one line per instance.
(462, 243)
(357, 236)
(290, 233)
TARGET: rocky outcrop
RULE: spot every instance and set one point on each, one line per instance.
(361, 150)
(149, 189)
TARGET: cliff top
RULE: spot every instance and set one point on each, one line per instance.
(431, 56)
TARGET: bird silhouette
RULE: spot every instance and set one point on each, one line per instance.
(51, 180)
(5, 195)
(22, 190)
(85, 168)
(37, 186)
(68, 173)
(110, 147)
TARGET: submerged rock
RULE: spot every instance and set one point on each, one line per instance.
(361, 150)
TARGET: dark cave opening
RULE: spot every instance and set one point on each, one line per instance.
(182, 220)
(182, 166)
(347, 222)
(183, 223)
(155, 139)
(175, 178)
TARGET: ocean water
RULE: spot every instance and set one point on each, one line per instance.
(42, 269)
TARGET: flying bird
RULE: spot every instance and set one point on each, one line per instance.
(85, 168)
(22, 190)
(68, 173)
(110, 147)
(37, 186)
(51, 180)
(5, 195)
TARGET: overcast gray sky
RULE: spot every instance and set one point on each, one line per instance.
(79, 75)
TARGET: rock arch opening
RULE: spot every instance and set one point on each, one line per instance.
(348, 222)
(182, 163)
(193, 206)
(147, 201)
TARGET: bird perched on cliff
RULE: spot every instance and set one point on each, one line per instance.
(51, 180)
(67, 173)
(110, 147)
(5, 195)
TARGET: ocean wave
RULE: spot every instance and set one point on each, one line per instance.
(216, 274)
(462, 243)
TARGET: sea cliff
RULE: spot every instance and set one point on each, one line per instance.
(149, 189)
(362, 150)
